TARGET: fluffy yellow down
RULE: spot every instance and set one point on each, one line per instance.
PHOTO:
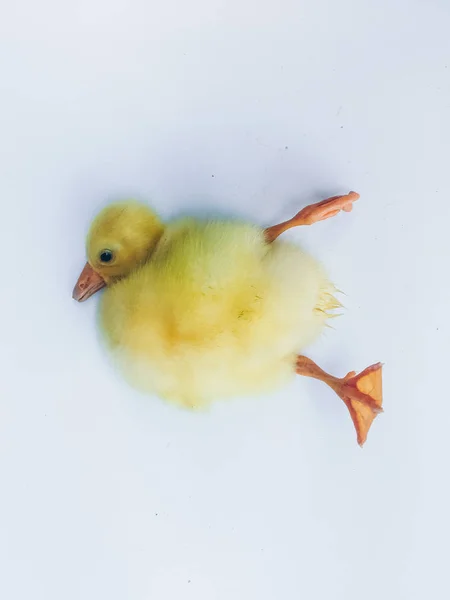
(215, 312)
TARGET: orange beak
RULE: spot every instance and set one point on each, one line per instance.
(88, 283)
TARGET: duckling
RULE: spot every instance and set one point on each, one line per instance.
(196, 310)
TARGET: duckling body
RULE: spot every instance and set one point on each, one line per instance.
(217, 311)
(199, 310)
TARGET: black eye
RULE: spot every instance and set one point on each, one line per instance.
(106, 256)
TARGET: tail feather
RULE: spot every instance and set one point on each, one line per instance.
(328, 302)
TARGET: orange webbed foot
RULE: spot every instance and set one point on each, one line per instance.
(363, 397)
(361, 393)
(326, 208)
(313, 213)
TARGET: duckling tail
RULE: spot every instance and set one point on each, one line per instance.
(328, 302)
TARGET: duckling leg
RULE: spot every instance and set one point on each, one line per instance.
(313, 213)
(361, 393)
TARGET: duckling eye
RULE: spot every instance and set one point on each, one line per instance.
(106, 256)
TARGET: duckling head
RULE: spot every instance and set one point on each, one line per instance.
(121, 237)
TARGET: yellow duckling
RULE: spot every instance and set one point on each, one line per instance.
(197, 310)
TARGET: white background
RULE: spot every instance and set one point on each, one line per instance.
(254, 108)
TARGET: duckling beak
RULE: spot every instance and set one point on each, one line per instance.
(88, 283)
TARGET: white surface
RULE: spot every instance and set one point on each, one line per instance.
(255, 108)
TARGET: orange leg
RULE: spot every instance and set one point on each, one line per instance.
(361, 393)
(314, 213)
